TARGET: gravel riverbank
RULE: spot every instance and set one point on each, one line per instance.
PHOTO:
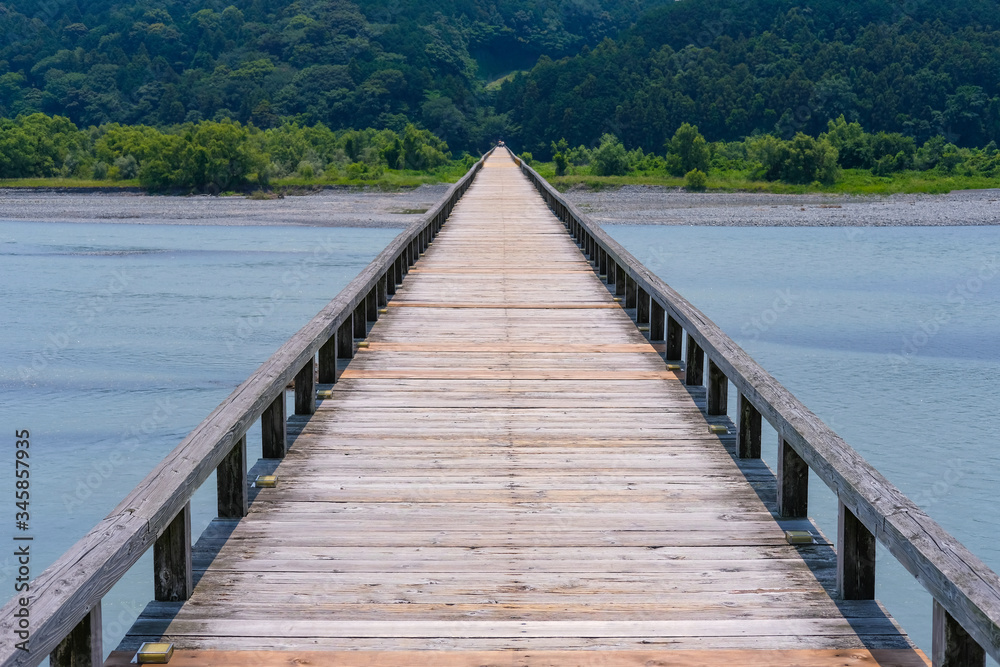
(646, 205)
(327, 208)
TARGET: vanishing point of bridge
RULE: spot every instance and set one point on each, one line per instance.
(507, 462)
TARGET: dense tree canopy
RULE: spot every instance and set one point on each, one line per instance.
(379, 63)
(739, 67)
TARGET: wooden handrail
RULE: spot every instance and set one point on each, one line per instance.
(960, 583)
(72, 587)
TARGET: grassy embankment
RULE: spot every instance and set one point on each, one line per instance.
(850, 182)
(389, 180)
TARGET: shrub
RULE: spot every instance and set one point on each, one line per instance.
(695, 180)
(610, 158)
(561, 163)
(687, 150)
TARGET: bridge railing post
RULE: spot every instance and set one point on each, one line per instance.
(642, 309)
(371, 305)
(951, 645)
(328, 361)
(274, 429)
(345, 338)
(305, 389)
(793, 482)
(657, 322)
(675, 340)
(619, 280)
(748, 439)
(717, 399)
(173, 578)
(360, 321)
(694, 371)
(231, 482)
(631, 292)
(84, 645)
(855, 557)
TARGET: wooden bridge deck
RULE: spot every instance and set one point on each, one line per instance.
(508, 474)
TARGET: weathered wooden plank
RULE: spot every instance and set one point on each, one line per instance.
(855, 657)
(958, 579)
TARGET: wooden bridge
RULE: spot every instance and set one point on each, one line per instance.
(506, 461)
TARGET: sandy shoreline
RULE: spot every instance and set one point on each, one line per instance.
(632, 205)
(328, 208)
(646, 205)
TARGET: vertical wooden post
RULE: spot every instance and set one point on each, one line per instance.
(694, 373)
(675, 339)
(855, 557)
(619, 280)
(231, 482)
(371, 305)
(360, 321)
(657, 324)
(612, 274)
(382, 291)
(172, 575)
(305, 389)
(603, 268)
(328, 361)
(749, 435)
(641, 307)
(84, 645)
(718, 390)
(401, 267)
(793, 482)
(951, 645)
(345, 338)
(274, 429)
(630, 292)
(390, 279)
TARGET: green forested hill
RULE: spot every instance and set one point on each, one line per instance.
(377, 63)
(904, 71)
(737, 67)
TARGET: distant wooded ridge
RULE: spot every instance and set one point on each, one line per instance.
(560, 68)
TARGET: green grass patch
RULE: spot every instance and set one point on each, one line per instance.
(851, 182)
(81, 183)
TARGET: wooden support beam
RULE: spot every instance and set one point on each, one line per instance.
(612, 276)
(84, 645)
(631, 292)
(718, 390)
(390, 279)
(360, 321)
(793, 482)
(694, 372)
(619, 280)
(345, 338)
(328, 361)
(305, 389)
(603, 262)
(657, 322)
(371, 306)
(642, 307)
(274, 429)
(855, 557)
(231, 482)
(951, 645)
(748, 443)
(172, 573)
(675, 339)
(382, 291)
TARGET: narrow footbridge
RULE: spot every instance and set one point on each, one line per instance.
(512, 447)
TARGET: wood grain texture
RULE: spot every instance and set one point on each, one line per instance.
(955, 577)
(67, 590)
(505, 477)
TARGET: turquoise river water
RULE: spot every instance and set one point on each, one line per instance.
(117, 339)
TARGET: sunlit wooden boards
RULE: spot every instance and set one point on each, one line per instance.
(508, 474)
